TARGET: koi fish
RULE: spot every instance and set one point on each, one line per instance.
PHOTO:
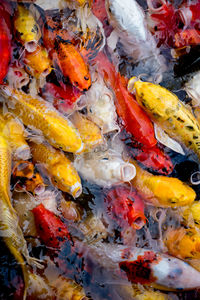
(128, 19)
(183, 243)
(63, 97)
(14, 132)
(90, 133)
(38, 63)
(51, 230)
(101, 107)
(64, 54)
(163, 20)
(93, 228)
(104, 168)
(70, 210)
(26, 28)
(144, 266)
(41, 116)
(134, 118)
(72, 65)
(60, 169)
(5, 45)
(162, 191)
(166, 110)
(125, 207)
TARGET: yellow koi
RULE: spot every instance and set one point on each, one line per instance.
(40, 115)
(162, 191)
(14, 132)
(165, 109)
(183, 243)
(10, 229)
(61, 170)
(90, 133)
(27, 30)
(38, 62)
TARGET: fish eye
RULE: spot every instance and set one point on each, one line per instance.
(76, 83)
(86, 77)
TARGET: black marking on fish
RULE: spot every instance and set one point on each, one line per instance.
(180, 120)
(190, 128)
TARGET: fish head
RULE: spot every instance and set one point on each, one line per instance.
(66, 180)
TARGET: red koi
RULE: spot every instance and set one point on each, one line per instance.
(125, 207)
(187, 37)
(135, 119)
(50, 228)
(63, 97)
(5, 43)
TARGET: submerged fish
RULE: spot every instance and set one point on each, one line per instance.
(125, 207)
(60, 169)
(162, 191)
(183, 243)
(144, 266)
(128, 19)
(50, 228)
(104, 168)
(27, 30)
(40, 116)
(165, 109)
(14, 132)
(90, 133)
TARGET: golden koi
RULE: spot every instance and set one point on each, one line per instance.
(162, 191)
(15, 134)
(38, 62)
(41, 116)
(10, 229)
(89, 131)
(165, 109)
(26, 28)
(61, 170)
(183, 243)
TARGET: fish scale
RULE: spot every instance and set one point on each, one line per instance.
(41, 116)
(165, 109)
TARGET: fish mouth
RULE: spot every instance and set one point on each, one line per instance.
(31, 46)
(128, 172)
(76, 190)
